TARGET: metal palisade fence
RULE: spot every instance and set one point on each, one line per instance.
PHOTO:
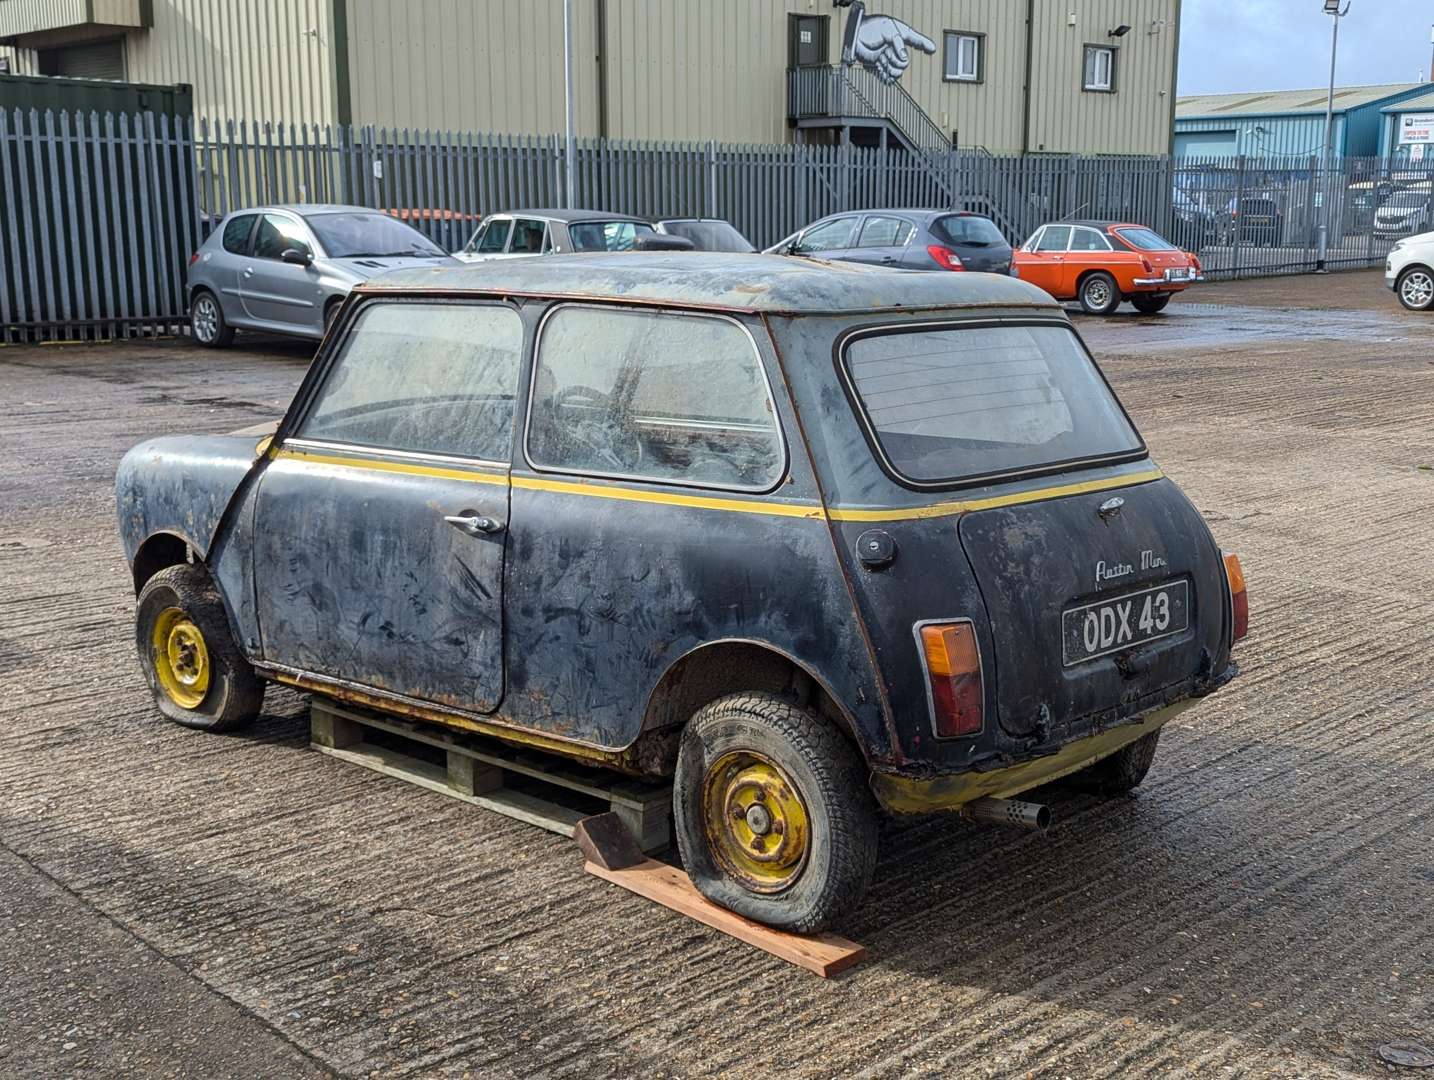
(102, 212)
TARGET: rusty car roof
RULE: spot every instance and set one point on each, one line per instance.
(735, 282)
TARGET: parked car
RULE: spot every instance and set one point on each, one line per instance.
(1196, 226)
(1406, 212)
(591, 523)
(1409, 271)
(1101, 263)
(706, 234)
(522, 233)
(1255, 220)
(285, 269)
(906, 240)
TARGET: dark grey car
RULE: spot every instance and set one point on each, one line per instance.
(906, 240)
(286, 269)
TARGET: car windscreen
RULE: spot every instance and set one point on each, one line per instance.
(710, 235)
(1145, 240)
(606, 235)
(963, 229)
(354, 235)
(953, 404)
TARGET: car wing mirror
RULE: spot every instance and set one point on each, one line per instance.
(296, 257)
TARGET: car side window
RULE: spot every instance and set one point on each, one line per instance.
(1055, 238)
(660, 396)
(276, 234)
(884, 232)
(828, 236)
(528, 236)
(493, 237)
(236, 234)
(423, 377)
(1083, 239)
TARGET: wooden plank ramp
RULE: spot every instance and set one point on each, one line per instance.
(519, 784)
(610, 853)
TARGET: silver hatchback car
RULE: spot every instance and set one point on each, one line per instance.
(285, 269)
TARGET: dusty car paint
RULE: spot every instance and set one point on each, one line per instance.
(587, 626)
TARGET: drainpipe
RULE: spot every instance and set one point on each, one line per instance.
(1030, 53)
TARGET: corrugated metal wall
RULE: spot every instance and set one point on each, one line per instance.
(1268, 136)
(1135, 119)
(269, 59)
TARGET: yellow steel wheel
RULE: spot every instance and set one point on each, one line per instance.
(181, 659)
(756, 822)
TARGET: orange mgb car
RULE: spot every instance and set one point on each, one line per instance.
(1101, 263)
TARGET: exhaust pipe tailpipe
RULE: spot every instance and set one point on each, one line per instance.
(1024, 815)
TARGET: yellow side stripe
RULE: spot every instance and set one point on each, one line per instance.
(947, 509)
(807, 511)
(701, 502)
(407, 468)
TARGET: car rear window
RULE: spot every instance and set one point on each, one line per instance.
(1145, 239)
(955, 404)
(710, 235)
(966, 229)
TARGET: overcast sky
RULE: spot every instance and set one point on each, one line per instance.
(1233, 45)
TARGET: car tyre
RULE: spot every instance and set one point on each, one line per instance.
(1099, 294)
(1415, 288)
(196, 672)
(331, 312)
(1151, 305)
(1122, 771)
(773, 814)
(206, 321)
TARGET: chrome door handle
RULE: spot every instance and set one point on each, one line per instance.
(474, 525)
(248, 271)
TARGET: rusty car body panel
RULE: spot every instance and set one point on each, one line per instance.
(607, 608)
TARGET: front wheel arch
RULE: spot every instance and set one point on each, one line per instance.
(1404, 274)
(158, 552)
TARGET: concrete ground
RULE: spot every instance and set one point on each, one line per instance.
(180, 904)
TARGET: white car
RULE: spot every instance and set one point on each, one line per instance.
(524, 233)
(1410, 271)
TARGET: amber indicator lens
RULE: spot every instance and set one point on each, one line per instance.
(953, 664)
(1239, 602)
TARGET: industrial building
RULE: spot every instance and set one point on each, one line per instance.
(1006, 76)
(1407, 132)
(1291, 123)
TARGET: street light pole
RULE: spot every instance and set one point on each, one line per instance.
(1332, 9)
(570, 149)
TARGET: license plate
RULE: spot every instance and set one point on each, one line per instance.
(1179, 275)
(1108, 626)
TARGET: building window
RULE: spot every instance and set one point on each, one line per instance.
(964, 61)
(1100, 69)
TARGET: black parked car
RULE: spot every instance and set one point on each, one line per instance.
(905, 239)
(707, 234)
(1257, 221)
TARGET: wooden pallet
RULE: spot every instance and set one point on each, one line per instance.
(540, 789)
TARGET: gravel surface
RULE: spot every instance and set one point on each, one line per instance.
(189, 904)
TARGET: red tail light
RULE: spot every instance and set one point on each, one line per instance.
(945, 257)
(1239, 601)
(1195, 262)
(953, 673)
(194, 258)
(1145, 265)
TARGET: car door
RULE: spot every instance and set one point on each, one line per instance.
(490, 241)
(881, 240)
(1043, 265)
(381, 520)
(830, 239)
(1089, 250)
(277, 293)
(224, 268)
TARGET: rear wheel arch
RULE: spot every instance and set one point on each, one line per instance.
(717, 669)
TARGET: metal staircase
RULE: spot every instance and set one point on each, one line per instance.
(846, 95)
